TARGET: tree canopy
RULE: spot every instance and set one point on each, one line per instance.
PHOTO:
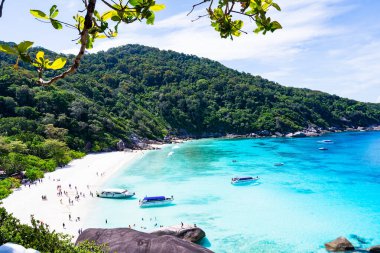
(225, 16)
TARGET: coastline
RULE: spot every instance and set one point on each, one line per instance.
(86, 176)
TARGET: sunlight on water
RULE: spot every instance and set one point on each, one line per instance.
(314, 197)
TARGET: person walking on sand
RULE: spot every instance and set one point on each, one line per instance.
(106, 221)
(63, 224)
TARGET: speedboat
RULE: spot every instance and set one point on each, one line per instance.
(115, 194)
(278, 164)
(327, 141)
(155, 201)
(243, 180)
(323, 148)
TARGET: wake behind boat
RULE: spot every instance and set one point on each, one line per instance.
(244, 180)
(115, 194)
(155, 201)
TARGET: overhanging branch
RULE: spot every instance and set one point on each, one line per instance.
(1, 7)
(88, 23)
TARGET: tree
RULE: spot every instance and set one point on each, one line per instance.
(94, 25)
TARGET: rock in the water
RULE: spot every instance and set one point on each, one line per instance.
(132, 241)
(374, 249)
(339, 244)
(185, 232)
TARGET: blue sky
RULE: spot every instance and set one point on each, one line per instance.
(327, 45)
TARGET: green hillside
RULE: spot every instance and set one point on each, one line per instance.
(141, 92)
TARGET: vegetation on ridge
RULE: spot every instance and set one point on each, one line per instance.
(141, 91)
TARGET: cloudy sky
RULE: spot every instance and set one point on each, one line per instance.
(327, 45)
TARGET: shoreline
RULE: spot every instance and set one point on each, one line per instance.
(298, 134)
(85, 176)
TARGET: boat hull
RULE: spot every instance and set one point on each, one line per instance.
(242, 182)
(116, 196)
(156, 203)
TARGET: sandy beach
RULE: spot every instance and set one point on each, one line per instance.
(82, 177)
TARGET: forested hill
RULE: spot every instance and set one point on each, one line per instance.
(140, 90)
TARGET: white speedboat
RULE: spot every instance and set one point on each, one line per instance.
(323, 148)
(244, 180)
(115, 194)
(155, 201)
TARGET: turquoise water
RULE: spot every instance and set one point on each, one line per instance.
(313, 198)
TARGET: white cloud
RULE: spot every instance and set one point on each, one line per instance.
(311, 51)
(302, 23)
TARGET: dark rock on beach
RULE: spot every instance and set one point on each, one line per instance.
(339, 244)
(374, 249)
(185, 232)
(132, 241)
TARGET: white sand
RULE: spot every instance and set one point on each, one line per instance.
(82, 174)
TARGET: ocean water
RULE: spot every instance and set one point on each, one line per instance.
(313, 198)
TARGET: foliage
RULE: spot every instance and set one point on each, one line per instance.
(94, 25)
(38, 236)
(6, 186)
(150, 93)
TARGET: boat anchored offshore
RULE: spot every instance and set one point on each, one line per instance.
(244, 180)
(115, 194)
(155, 201)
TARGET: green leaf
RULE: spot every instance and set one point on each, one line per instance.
(275, 25)
(24, 46)
(56, 24)
(157, 7)
(39, 14)
(116, 18)
(109, 14)
(7, 49)
(40, 56)
(90, 42)
(150, 19)
(135, 2)
(53, 11)
(25, 57)
(57, 64)
(97, 15)
(276, 6)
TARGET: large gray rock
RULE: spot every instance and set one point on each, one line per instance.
(132, 241)
(120, 145)
(374, 249)
(339, 244)
(185, 232)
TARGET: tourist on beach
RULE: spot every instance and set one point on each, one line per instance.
(63, 224)
(106, 221)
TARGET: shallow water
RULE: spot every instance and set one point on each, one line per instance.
(313, 198)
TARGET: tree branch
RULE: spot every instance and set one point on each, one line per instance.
(83, 41)
(1, 7)
(195, 5)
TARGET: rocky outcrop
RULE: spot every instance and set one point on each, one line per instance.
(374, 249)
(132, 241)
(339, 244)
(120, 145)
(185, 232)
